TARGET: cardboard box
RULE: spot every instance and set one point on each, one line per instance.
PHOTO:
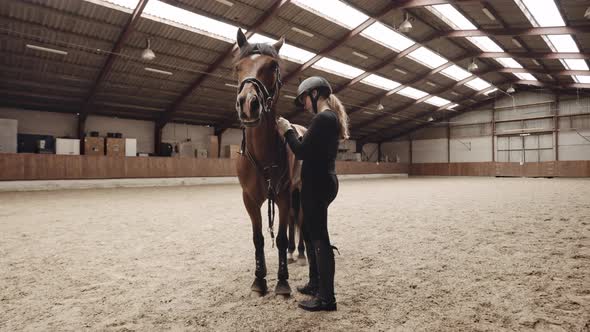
(130, 147)
(115, 147)
(67, 146)
(213, 150)
(201, 153)
(94, 146)
(232, 151)
(8, 135)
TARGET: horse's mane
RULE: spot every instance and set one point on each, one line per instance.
(257, 48)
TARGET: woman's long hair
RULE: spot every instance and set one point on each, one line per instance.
(338, 108)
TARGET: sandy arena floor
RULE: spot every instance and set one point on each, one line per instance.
(419, 254)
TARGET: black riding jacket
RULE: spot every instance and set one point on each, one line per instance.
(319, 145)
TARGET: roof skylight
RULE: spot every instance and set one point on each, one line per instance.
(544, 12)
(427, 57)
(451, 16)
(437, 101)
(338, 68)
(583, 79)
(335, 11)
(412, 93)
(289, 52)
(478, 84)
(525, 76)
(380, 82)
(185, 18)
(455, 72)
(380, 33)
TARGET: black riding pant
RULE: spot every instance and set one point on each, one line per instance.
(317, 193)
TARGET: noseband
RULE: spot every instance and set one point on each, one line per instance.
(262, 92)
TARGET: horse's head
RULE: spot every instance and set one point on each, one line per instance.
(258, 70)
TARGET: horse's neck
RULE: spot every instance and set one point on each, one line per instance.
(262, 141)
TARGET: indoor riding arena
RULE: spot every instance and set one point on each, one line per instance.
(464, 188)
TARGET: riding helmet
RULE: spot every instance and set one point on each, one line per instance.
(313, 83)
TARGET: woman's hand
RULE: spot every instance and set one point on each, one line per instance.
(283, 125)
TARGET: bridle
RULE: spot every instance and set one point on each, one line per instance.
(266, 171)
(265, 96)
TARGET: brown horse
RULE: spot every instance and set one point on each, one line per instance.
(266, 167)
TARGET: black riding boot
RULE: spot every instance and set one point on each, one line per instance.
(311, 288)
(324, 300)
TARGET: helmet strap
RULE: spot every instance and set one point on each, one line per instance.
(314, 101)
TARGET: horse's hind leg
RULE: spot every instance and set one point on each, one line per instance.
(259, 284)
(293, 216)
(284, 203)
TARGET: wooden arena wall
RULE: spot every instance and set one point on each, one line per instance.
(54, 167)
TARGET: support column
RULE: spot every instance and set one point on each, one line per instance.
(158, 138)
(494, 131)
(411, 157)
(219, 133)
(449, 142)
(556, 126)
(379, 152)
(81, 125)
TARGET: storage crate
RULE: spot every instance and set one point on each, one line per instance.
(115, 147)
(94, 146)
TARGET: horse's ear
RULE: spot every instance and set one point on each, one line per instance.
(242, 40)
(277, 46)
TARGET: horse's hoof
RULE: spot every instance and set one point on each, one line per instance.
(283, 288)
(302, 260)
(259, 286)
(290, 258)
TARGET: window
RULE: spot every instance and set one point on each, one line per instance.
(478, 84)
(387, 37)
(335, 11)
(338, 68)
(380, 82)
(427, 57)
(412, 93)
(455, 72)
(437, 101)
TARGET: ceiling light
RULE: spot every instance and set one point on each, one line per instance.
(303, 32)
(231, 85)
(360, 55)
(289, 97)
(454, 93)
(430, 119)
(380, 107)
(587, 14)
(536, 62)
(148, 54)
(400, 71)
(430, 83)
(45, 49)
(158, 71)
(225, 2)
(511, 89)
(367, 112)
(491, 91)
(406, 25)
(516, 42)
(488, 13)
(472, 66)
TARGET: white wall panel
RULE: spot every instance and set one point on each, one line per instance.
(572, 146)
(42, 123)
(430, 151)
(471, 149)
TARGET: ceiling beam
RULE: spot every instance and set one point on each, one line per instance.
(516, 32)
(127, 29)
(170, 111)
(534, 55)
(562, 86)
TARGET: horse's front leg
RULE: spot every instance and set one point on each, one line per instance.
(253, 208)
(284, 203)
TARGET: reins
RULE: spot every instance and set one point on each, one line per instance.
(266, 172)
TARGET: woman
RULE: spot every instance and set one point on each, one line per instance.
(318, 150)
